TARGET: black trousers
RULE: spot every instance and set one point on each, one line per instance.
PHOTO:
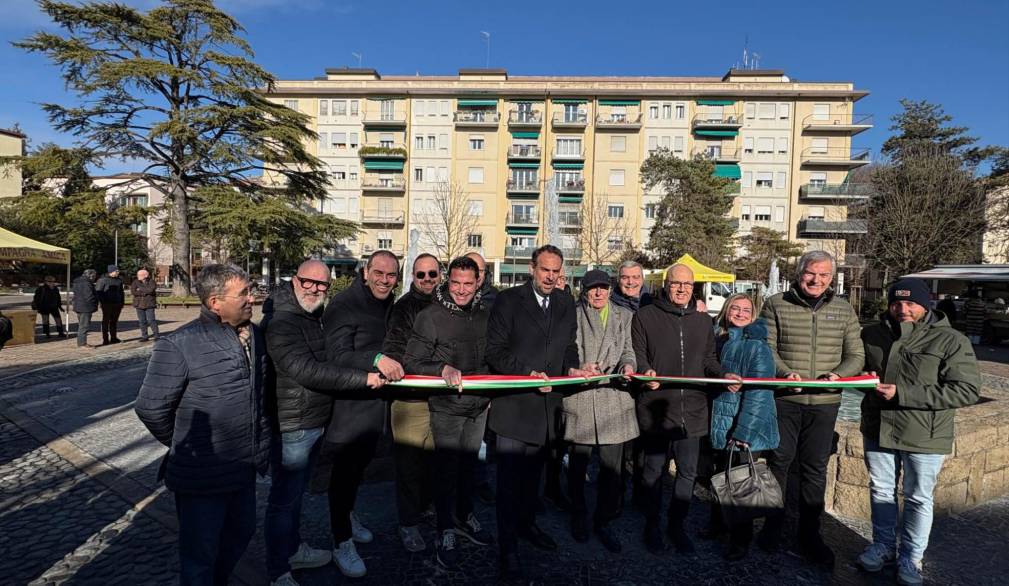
(519, 467)
(609, 483)
(807, 437)
(110, 321)
(657, 450)
(456, 451)
(214, 530)
(55, 314)
(349, 461)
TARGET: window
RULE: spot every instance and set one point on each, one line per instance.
(385, 243)
(569, 146)
(819, 146)
(616, 177)
(569, 179)
(779, 180)
(762, 214)
(339, 140)
(418, 175)
(432, 142)
(664, 141)
(323, 138)
(779, 214)
(386, 140)
(354, 140)
(443, 107)
(653, 143)
(418, 143)
(653, 112)
(667, 111)
(614, 243)
(573, 113)
(443, 174)
(765, 146)
(476, 174)
(681, 111)
(525, 213)
(292, 104)
(525, 178)
(353, 174)
(818, 179)
(765, 111)
(354, 107)
(522, 242)
(475, 208)
(474, 241)
(677, 145)
(745, 214)
(421, 106)
(476, 142)
(443, 141)
(751, 110)
(784, 110)
(618, 114)
(748, 179)
(323, 107)
(748, 145)
(339, 107)
(782, 146)
(650, 209)
(615, 211)
(429, 173)
(618, 144)
(821, 111)
(764, 179)
(815, 213)
(569, 218)
(388, 109)
(340, 173)
(715, 113)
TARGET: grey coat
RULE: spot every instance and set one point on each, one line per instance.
(605, 414)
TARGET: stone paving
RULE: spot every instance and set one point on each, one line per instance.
(61, 525)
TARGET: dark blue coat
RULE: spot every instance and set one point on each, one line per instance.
(749, 415)
(203, 399)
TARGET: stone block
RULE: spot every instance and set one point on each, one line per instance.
(951, 497)
(832, 476)
(975, 477)
(854, 446)
(996, 458)
(954, 470)
(853, 471)
(995, 484)
(973, 438)
(1003, 431)
(851, 501)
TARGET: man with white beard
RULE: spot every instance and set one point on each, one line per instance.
(306, 383)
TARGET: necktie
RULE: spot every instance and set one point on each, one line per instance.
(545, 306)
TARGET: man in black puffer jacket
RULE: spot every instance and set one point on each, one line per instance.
(112, 297)
(355, 326)
(449, 340)
(305, 384)
(85, 303)
(671, 338)
(203, 398)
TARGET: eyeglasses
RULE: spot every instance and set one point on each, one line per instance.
(307, 283)
(679, 285)
(740, 310)
(430, 274)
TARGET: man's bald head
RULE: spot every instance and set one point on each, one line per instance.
(481, 264)
(680, 284)
(314, 269)
(310, 284)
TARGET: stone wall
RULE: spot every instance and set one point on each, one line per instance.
(976, 471)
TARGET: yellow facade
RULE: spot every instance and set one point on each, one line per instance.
(521, 148)
(12, 144)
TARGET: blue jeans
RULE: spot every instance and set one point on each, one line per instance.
(147, 319)
(920, 474)
(291, 464)
(214, 530)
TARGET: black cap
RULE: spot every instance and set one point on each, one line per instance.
(909, 289)
(595, 278)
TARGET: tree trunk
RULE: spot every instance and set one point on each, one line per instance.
(181, 267)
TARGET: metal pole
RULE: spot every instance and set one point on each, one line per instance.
(116, 262)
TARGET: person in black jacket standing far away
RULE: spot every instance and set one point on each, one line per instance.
(671, 338)
(112, 297)
(85, 304)
(203, 398)
(531, 331)
(355, 325)
(305, 384)
(48, 302)
(449, 339)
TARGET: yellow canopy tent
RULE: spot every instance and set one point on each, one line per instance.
(703, 274)
(16, 247)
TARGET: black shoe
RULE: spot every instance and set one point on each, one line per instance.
(609, 539)
(510, 568)
(816, 552)
(653, 540)
(681, 541)
(734, 552)
(447, 549)
(538, 538)
(486, 494)
(557, 499)
(580, 527)
(115, 341)
(712, 532)
(768, 542)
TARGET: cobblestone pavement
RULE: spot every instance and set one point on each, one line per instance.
(60, 525)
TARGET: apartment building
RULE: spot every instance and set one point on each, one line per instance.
(12, 144)
(534, 155)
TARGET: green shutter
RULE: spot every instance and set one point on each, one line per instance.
(524, 165)
(717, 132)
(470, 102)
(716, 102)
(570, 199)
(383, 165)
(728, 171)
(526, 134)
(521, 231)
(570, 101)
(569, 165)
(619, 102)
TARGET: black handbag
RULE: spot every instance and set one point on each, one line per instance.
(747, 491)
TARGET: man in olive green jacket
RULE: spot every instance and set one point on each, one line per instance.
(927, 370)
(813, 334)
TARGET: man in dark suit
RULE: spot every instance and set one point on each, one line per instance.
(531, 332)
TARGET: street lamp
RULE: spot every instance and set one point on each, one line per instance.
(253, 244)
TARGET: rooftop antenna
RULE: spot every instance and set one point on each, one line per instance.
(359, 57)
(486, 37)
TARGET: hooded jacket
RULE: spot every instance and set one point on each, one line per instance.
(748, 415)
(674, 341)
(85, 296)
(306, 380)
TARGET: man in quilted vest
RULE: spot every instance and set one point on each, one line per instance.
(813, 334)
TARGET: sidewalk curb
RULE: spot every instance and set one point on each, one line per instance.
(139, 496)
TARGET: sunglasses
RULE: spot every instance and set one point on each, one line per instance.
(307, 283)
(430, 274)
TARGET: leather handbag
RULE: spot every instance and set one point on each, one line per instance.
(746, 491)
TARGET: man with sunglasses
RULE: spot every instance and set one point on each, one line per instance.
(305, 384)
(411, 420)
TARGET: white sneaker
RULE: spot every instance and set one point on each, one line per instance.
(908, 572)
(348, 561)
(412, 540)
(285, 580)
(877, 555)
(309, 557)
(361, 533)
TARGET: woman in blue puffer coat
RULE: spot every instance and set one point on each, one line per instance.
(747, 417)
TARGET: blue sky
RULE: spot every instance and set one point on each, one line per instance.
(952, 53)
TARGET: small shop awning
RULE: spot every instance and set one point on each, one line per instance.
(476, 102)
(619, 102)
(965, 273)
(707, 102)
(728, 171)
(524, 165)
(17, 247)
(570, 199)
(383, 165)
(526, 134)
(717, 132)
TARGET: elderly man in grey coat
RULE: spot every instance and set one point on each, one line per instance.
(600, 417)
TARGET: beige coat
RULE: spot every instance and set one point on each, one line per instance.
(602, 415)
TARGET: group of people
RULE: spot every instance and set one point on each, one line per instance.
(91, 292)
(232, 399)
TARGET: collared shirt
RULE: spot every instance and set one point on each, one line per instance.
(540, 300)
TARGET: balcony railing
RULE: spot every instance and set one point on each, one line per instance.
(568, 154)
(382, 217)
(571, 186)
(718, 154)
(835, 157)
(836, 190)
(525, 151)
(618, 121)
(519, 251)
(525, 118)
(394, 183)
(840, 121)
(382, 151)
(571, 120)
(715, 120)
(570, 222)
(397, 249)
(821, 226)
(385, 118)
(524, 219)
(477, 118)
(523, 187)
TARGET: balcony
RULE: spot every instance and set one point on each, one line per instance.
(523, 189)
(519, 252)
(572, 187)
(383, 217)
(570, 121)
(390, 184)
(525, 152)
(382, 151)
(477, 118)
(571, 252)
(525, 119)
(397, 249)
(570, 221)
(842, 157)
(618, 122)
(385, 119)
(719, 155)
(841, 122)
(821, 226)
(523, 220)
(568, 154)
(836, 190)
(716, 121)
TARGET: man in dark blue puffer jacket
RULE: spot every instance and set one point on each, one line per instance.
(203, 398)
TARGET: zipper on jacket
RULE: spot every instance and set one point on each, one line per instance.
(683, 365)
(812, 361)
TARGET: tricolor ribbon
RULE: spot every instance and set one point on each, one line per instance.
(493, 382)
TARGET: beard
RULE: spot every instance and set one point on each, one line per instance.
(311, 305)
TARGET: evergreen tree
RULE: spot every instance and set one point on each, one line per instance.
(923, 124)
(764, 245)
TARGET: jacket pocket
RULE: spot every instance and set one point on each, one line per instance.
(942, 424)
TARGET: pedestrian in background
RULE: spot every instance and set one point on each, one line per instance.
(145, 300)
(112, 297)
(85, 304)
(49, 303)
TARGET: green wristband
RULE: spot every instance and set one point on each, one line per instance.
(377, 358)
